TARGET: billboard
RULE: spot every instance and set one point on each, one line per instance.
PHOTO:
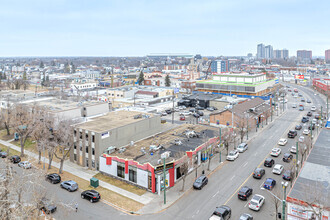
(299, 76)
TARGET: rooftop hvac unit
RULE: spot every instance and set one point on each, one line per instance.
(166, 155)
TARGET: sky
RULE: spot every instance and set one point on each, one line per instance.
(141, 27)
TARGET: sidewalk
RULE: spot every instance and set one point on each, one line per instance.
(85, 174)
(174, 194)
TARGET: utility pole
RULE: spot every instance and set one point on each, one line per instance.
(311, 134)
(164, 171)
(271, 109)
(247, 128)
(284, 185)
(297, 153)
(173, 111)
(220, 146)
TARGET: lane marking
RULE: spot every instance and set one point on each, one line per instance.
(245, 164)
(246, 204)
(232, 177)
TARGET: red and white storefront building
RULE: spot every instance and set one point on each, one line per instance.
(149, 176)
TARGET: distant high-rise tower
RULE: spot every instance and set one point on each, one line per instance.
(269, 52)
(327, 55)
(281, 54)
(260, 51)
(285, 53)
(304, 54)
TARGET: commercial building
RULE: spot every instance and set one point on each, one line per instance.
(322, 85)
(142, 163)
(251, 113)
(241, 84)
(260, 51)
(304, 54)
(269, 53)
(309, 196)
(281, 54)
(220, 66)
(115, 129)
(327, 55)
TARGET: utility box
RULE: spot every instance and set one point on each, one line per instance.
(94, 182)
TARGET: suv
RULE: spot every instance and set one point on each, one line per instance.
(69, 185)
(269, 162)
(200, 182)
(309, 114)
(47, 206)
(244, 192)
(15, 159)
(292, 134)
(53, 178)
(224, 212)
(258, 173)
(91, 195)
(287, 157)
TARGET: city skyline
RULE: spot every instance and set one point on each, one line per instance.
(111, 28)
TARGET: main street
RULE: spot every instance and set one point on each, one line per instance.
(223, 184)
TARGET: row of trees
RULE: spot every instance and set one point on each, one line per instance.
(51, 134)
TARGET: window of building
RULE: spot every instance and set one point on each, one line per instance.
(93, 151)
(74, 146)
(80, 135)
(75, 132)
(132, 174)
(75, 157)
(121, 170)
(93, 138)
(86, 149)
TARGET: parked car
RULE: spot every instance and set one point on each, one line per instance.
(211, 108)
(306, 132)
(244, 192)
(201, 113)
(185, 113)
(163, 113)
(309, 101)
(278, 168)
(25, 164)
(246, 216)
(269, 162)
(287, 157)
(294, 105)
(298, 127)
(91, 195)
(292, 134)
(196, 115)
(312, 127)
(182, 118)
(69, 185)
(301, 108)
(293, 149)
(200, 108)
(168, 111)
(232, 155)
(53, 178)
(275, 152)
(256, 202)
(47, 206)
(305, 119)
(287, 175)
(242, 147)
(200, 182)
(222, 212)
(3, 154)
(302, 100)
(192, 110)
(258, 173)
(313, 108)
(317, 116)
(15, 159)
(282, 142)
(314, 121)
(269, 183)
(182, 107)
(309, 114)
(301, 139)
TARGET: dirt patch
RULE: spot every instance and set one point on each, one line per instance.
(5, 137)
(120, 184)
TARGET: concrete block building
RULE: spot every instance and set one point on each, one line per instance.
(115, 129)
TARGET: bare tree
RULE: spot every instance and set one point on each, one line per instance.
(64, 141)
(6, 115)
(227, 138)
(275, 200)
(23, 123)
(304, 148)
(184, 171)
(241, 126)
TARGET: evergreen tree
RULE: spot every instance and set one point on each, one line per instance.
(167, 81)
(41, 65)
(24, 75)
(141, 78)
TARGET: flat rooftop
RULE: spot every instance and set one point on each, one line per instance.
(167, 140)
(112, 120)
(234, 84)
(313, 182)
(57, 105)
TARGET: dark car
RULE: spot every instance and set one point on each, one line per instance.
(298, 127)
(316, 116)
(53, 178)
(199, 108)
(309, 101)
(292, 134)
(287, 175)
(305, 119)
(309, 114)
(168, 111)
(287, 157)
(200, 113)
(15, 159)
(246, 216)
(196, 115)
(91, 195)
(311, 127)
(244, 192)
(47, 206)
(192, 110)
(258, 173)
(269, 183)
(3, 154)
(224, 212)
(269, 162)
(200, 182)
(303, 100)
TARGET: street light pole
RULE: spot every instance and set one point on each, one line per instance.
(247, 129)
(220, 146)
(284, 184)
(164, 171)
(173, 112)
(297, 153)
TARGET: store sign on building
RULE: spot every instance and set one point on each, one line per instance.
(105, 135)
